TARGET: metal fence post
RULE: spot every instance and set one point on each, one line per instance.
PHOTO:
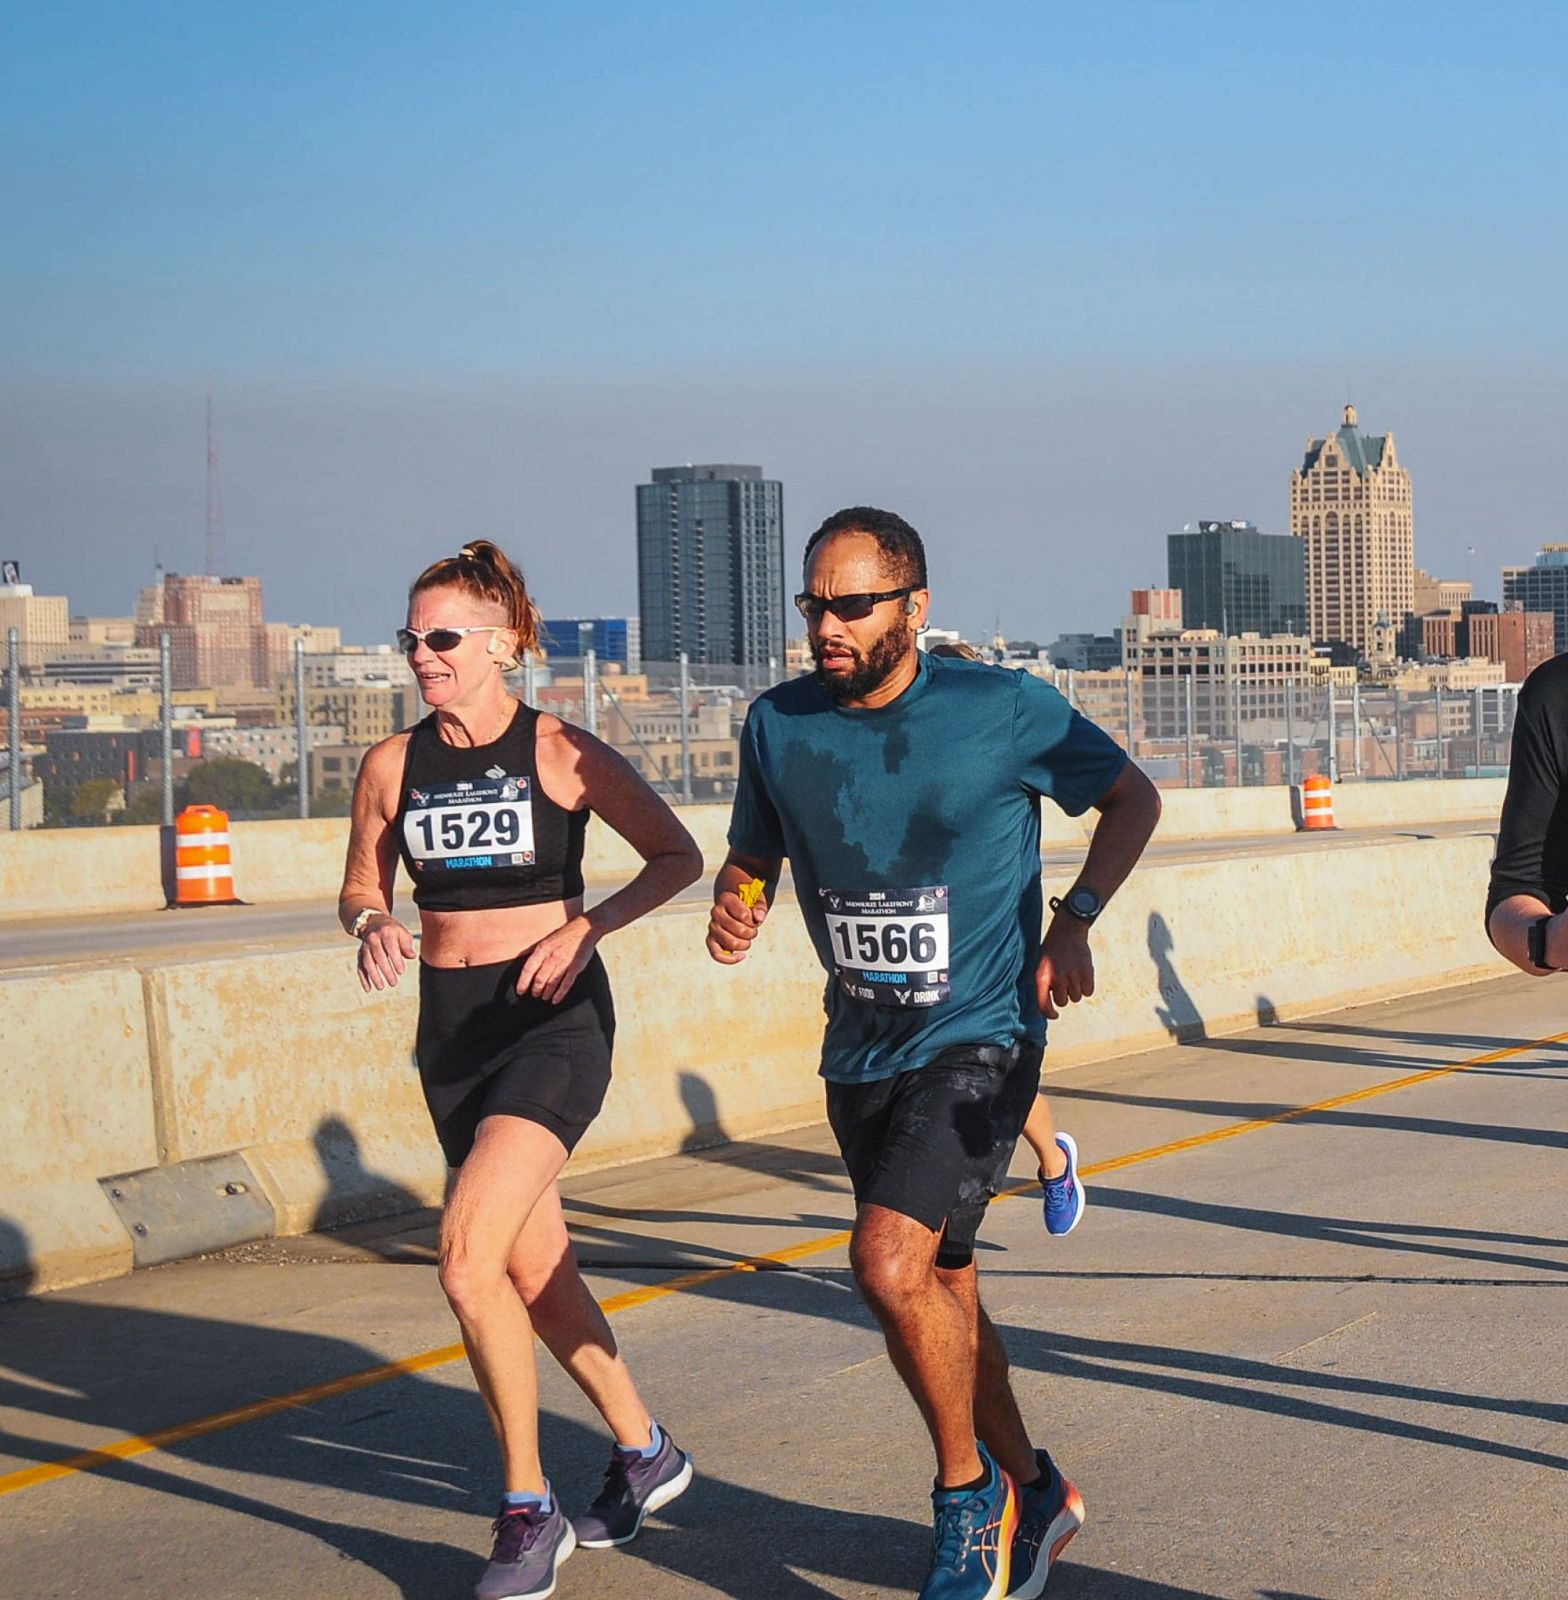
(1333, 737)
(301, 731)
(1290, 732)
(529, 674)
(166, 722)
(1235, 713)
(685, 730)
(1437, 702)
(1399, 737)
(1355, 724)
(591, 692)
(1189, 722)
(1128, 671)
(13, 702)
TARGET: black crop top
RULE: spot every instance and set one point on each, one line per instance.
(475, 828)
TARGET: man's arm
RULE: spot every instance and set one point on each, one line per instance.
(1129, 810)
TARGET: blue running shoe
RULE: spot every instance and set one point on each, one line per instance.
(1063, 1195)
(1050, 1512)
(972, 1538)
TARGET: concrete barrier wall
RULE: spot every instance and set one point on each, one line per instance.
(267, 1093)
(76, 1105)
(81, 871)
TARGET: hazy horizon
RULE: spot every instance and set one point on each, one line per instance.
(1049, 284)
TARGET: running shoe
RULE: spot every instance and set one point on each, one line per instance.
(1063, 1195)
(634, 1485)
(972, 1538)
(1050, 1512)
(530, 1545)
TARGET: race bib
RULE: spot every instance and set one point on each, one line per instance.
(890, 945)
(486, 823)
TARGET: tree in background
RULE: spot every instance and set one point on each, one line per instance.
(95, 798)
(229, 784)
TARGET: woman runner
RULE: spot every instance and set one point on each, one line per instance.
(487, 802)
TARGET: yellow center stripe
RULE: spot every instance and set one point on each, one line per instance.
(124, 1449)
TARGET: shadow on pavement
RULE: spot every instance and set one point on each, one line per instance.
(1232, 1380)
(412, 1452)
(1409, 1237)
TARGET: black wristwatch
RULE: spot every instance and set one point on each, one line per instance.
(1535, 945)
(1082, 903)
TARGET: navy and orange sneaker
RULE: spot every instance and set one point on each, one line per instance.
(1050, 1512)
(972, 1538)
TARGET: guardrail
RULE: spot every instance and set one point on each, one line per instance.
(159, 1109)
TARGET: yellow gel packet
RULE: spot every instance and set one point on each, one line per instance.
(751, 893)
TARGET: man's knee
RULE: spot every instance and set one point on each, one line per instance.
(893, 1263)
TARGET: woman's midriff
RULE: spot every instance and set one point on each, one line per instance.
(479, 938)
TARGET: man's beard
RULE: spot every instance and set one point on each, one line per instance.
(871, 670)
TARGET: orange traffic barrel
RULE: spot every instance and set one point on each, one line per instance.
(1317, 803)
(203, 867)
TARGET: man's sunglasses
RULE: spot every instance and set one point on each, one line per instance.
(846, 607)
(439, 639)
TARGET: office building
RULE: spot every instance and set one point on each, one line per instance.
(216, 635)
(1519, 640)
(1236, 580)
(1542, 587)
(42, 622)
(616, 639)
(1350, 506)
(710, 565)
(1086, 652)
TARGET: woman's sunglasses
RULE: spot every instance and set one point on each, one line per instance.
(439, 639)
(846, 607)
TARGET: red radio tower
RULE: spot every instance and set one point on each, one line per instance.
(215, 552)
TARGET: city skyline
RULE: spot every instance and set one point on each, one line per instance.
(1012, 278)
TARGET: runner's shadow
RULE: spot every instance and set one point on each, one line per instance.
(410, 1462)
(1248, 1385)
(1178, 1012)
(1410, 1238)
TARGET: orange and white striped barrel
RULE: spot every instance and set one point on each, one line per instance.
(203, 866)
(1317, 803)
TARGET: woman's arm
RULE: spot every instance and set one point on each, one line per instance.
(577, 770)
(386, 946)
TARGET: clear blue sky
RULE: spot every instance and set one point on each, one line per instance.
(1052, 280)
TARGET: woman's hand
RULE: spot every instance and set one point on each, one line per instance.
(386, 948)
(557, 961)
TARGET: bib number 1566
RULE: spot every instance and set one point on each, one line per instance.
(892, 942)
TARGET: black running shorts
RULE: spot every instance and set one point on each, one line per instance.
(484, 1050)
(934, 1143)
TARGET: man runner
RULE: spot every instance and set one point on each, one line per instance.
(905, 792)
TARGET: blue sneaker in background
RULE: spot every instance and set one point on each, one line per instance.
(972, 1538)
(1063, 1195)
(1050, 1512)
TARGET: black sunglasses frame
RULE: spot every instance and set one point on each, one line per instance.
(860, 606)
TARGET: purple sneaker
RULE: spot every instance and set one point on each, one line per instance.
(1063, 1195)
(634, 1485)
(530, 1545)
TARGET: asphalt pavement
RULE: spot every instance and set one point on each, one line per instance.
(1308, 1343)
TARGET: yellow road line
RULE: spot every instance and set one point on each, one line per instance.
(125, 1449)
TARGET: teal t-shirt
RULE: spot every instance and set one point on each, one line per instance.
(913, 834)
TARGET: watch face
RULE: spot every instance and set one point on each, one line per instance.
(1084, 903)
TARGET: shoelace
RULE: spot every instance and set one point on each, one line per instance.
(953, 1533)
(516, 1532)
